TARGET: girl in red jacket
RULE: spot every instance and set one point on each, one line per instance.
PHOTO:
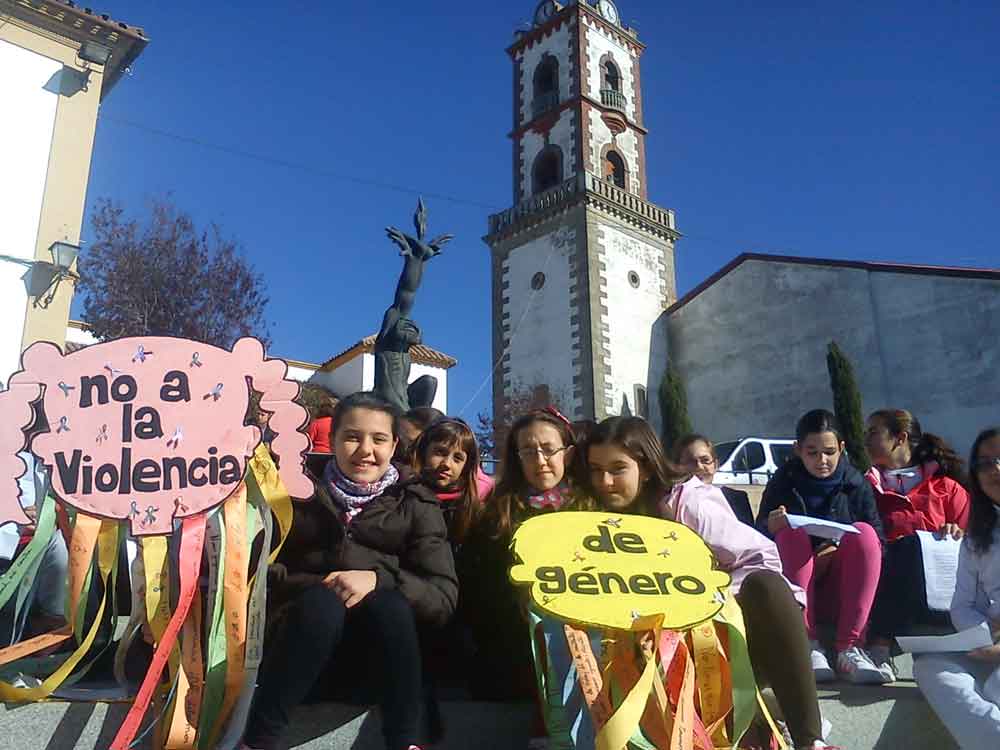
(917, 481)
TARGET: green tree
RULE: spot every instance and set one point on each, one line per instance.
(847, 405)
(163, 276)
(673, 407)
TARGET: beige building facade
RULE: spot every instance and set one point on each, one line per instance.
(57, 63)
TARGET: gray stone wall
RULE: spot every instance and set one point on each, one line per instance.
(752, 347)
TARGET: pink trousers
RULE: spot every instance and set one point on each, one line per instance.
(840, 586)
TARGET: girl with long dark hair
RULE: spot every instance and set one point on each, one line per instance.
(917, 479)
(366, 561)
(628, 473)
(840, 576)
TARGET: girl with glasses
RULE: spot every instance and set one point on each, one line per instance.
(696, 454)
(535, 478)
(964, 689)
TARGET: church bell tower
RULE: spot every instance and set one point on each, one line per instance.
(582, 262)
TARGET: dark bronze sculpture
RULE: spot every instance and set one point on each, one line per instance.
(399, 333)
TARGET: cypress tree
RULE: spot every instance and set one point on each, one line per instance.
(847, 405)
(673, 407)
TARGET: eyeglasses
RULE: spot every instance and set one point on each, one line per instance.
(982, 465)
(703, 460)
(547, 451)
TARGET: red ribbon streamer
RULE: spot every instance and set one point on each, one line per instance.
(192, 541)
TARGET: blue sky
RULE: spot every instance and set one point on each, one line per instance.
(865, 130)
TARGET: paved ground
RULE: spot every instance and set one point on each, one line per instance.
(863, 718)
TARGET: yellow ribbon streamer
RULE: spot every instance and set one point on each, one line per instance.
(107, 550)
(234, 595)
(615, 734)
(265, 476)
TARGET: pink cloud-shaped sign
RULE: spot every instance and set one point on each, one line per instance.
(148, 429)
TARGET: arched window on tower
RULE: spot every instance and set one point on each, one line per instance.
(547, 171)
(545, 89)
(614, 170)
(612, 77)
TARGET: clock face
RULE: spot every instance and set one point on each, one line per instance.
(545, 11)
(608, 10)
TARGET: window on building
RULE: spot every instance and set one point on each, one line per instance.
(750, 458)
(547, 171)
(612, 77)
(641, 405)
(614, 169)
(546, 85)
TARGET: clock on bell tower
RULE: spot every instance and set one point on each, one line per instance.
(582, 262)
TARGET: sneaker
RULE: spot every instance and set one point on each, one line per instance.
(882, 660)
(822, 670)
(855, 666)
(820, 745)
(826, 726)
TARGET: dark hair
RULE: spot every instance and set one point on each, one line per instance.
(582, 429)
(454, 433)
(924, 446)
(507, 501)
(686, 441)
(365, 400)
(423, 416)
(817, 421)
(983, 513)
(636, 437)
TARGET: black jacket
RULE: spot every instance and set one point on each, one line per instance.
(851, 502)
(400, 535)
(739, 501)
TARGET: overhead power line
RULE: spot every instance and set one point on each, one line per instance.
(298, 166)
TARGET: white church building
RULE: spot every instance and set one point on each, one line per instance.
(585, 309)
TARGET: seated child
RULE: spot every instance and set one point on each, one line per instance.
(629, 473)
(840, 578)
(964, 689)
(917, 479)
(696, 454)
(366, 561)
(535, 477)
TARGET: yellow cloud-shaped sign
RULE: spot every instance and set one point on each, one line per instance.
(610, 570)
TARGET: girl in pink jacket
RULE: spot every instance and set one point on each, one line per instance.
(628, 473)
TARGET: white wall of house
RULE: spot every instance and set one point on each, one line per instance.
(26, 127)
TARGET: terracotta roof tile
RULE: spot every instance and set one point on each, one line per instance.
(420, 354)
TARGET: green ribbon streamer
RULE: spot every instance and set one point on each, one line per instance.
(744, 684)
(21, 575)
(215, 662)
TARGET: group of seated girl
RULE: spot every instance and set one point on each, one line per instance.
(376, 568)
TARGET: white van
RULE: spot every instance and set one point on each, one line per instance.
(751, 460)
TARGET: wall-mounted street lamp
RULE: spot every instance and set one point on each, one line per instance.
(95, 52)
(48, 275)
(63, 255)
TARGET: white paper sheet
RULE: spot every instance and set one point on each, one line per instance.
(967, 640)
(940, 567)
(9, 537)
(820, 527)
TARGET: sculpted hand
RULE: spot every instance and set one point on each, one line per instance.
(777, 520)
(400, 239)
(352, 586)
(952, 530)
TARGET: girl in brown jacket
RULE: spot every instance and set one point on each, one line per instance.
(366, 561)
